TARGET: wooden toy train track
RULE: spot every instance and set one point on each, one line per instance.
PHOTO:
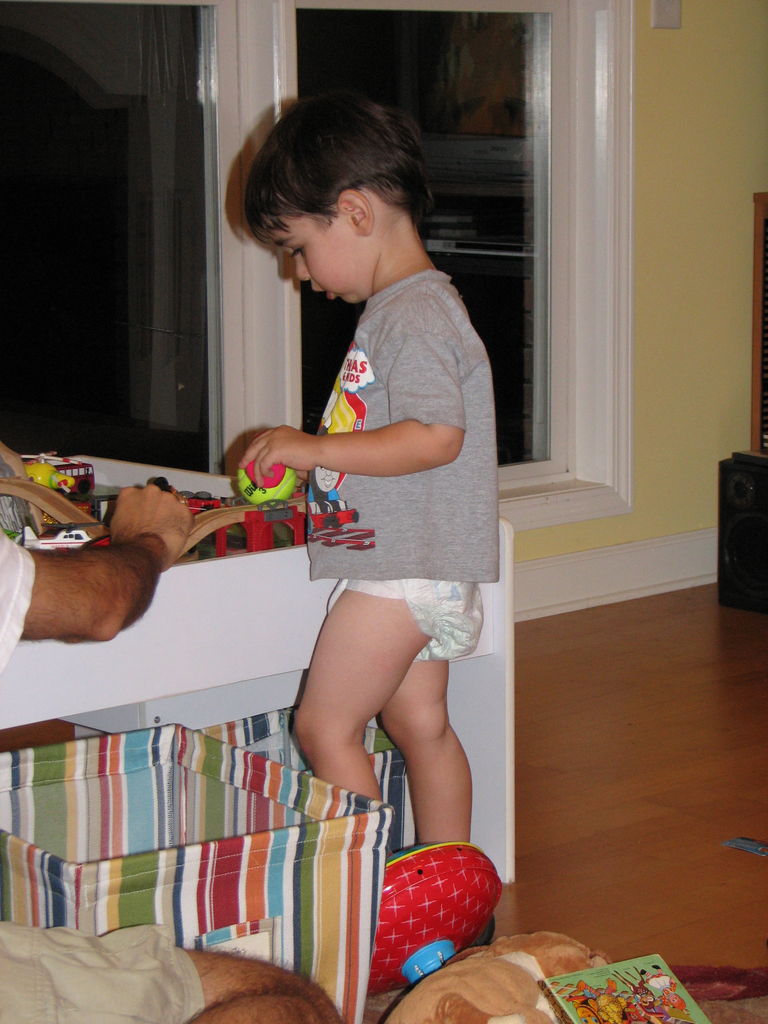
(216, 518)
(43, 499)
(60, 509)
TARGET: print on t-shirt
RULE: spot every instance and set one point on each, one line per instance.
(345, 412)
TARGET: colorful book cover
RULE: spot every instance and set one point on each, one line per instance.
(639, 991)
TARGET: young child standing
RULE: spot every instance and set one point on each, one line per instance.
(402, 492)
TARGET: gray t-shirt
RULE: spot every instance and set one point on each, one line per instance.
(415, 356)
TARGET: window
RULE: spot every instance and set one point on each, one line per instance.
(110, 250)
(251, 64)
(477, 83)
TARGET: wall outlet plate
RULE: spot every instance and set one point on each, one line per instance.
(666, 13)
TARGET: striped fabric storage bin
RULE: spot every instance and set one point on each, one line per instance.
(169, 825)
(270, 735)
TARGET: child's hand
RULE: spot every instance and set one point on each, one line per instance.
(283, 444)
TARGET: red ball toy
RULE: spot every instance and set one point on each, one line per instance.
(273, 480)
(437, 900)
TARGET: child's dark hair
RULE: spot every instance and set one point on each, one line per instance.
(325, 144)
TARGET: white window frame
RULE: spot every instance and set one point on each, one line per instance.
(591, 315)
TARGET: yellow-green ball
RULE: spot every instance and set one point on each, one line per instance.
(281, 481)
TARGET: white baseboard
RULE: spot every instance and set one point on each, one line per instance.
(564, 583)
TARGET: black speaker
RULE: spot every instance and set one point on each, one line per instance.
(742, 562)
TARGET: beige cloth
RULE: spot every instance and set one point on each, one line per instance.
(59, 976)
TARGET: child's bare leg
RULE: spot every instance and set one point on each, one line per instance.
(439, 778)
(363, 652)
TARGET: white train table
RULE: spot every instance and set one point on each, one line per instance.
(226, 638)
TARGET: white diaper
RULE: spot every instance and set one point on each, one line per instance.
(450, 613)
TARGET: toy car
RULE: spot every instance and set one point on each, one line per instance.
(81, 472)
(200, 501)
(436, 900)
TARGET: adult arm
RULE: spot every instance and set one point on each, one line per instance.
(92, 594)
(238, 990)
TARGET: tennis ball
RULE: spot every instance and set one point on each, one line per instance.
(278, 486)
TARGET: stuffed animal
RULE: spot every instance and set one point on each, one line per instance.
(496, 984)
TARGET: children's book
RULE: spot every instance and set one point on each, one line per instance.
(639, 991)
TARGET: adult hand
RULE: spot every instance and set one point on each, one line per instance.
(148, 510)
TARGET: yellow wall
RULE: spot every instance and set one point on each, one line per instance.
(701, 151)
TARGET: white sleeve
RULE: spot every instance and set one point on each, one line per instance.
(17, 574)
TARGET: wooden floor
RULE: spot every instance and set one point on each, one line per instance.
(642, 744)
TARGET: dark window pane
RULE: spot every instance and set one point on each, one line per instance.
(104, 254)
